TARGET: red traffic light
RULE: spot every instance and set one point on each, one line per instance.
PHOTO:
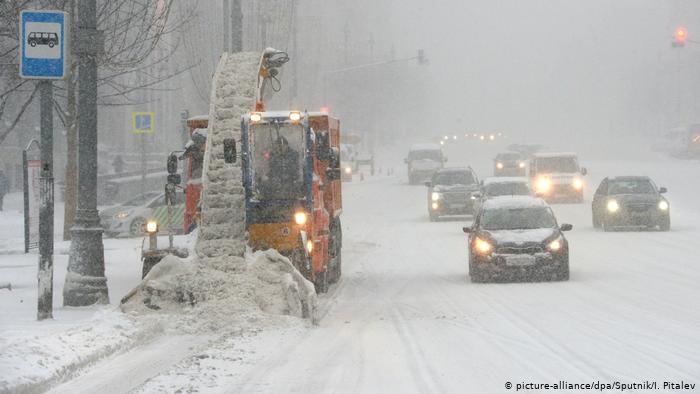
(680, 35)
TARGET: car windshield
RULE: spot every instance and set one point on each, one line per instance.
(425, 155)
(507, 189)
(140, 199)
(517, 218)
(277, 161)
(635, 186)
(565, 164)
(454, 178)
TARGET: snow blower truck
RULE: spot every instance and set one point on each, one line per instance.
(292, 182)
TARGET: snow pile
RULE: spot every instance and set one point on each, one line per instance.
(201, 299)
(32, 364)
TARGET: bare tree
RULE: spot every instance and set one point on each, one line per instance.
(134, 44)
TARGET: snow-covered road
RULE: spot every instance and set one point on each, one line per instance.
(405, 318)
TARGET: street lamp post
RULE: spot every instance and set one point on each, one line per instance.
(86, 283)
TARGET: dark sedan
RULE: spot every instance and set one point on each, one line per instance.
(630, 202)
(509, 164)
(451, 192)
(517, 239)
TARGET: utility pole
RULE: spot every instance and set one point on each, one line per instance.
(45, 275)
(86, 283)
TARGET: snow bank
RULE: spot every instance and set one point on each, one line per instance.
(33, 364)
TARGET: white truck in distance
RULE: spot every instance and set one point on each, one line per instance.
(422, 162)
(557, 177)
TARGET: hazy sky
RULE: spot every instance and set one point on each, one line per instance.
(542, 67)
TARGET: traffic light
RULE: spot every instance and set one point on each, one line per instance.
(679, 37)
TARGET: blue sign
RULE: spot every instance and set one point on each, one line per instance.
(44, 37)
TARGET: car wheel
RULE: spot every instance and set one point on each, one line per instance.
(433, 217)
(33, 44)
(606, 227)
(665, 224)
(136, 226)
(51, 45)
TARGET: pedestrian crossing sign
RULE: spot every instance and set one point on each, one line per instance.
(142, 123)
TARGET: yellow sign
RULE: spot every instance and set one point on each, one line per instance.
(142, 123)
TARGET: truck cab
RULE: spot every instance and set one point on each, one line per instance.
(423, 161)
(557, 177)
(291, 177)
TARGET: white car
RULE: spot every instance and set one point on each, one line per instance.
(128, 218)
(493, 187)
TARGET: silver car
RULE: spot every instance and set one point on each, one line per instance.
(128, 218)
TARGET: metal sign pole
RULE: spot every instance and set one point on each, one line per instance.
(46, 214)
(25, 189)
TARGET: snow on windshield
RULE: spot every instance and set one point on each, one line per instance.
(557, 164)
(633, 186)
(454, 178)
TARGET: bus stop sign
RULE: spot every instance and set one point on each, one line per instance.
(44, 37)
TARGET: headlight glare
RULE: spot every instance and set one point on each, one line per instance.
(555, 245)
(577, 184)
(435, 196)
(521, 164)
(300, 218)
(613, 206)
(499, 165)
(543, 185)
(663, 205)
(482, 247)
(152, 227)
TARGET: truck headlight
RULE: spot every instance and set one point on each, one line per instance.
(663, 205)
(499, 165)
(543, 185)
(521, 164)
(348, 170)
(613, 206)
(435, 206)
(300, 218)
(577, 184)
(435, 196)
(482, 247)
(122, 215)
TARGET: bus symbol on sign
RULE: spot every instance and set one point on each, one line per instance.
(42, 38)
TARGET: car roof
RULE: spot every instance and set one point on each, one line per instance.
(503, 154)
(514, 202)
(629, 178)
(554, 154)
(504, 179)
(416, 147)
(453, 169)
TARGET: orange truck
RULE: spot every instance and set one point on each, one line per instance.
(292, 182)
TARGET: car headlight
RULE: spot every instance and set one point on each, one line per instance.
(122, 215)
(300, 218)
(348, 170)
(663, 205)
(435, 196)
(521, 164)
(555, 245)
(543, 185)
(613, 206)
(434, 205)
(499, 166)
(482, 247)
(577, 184)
